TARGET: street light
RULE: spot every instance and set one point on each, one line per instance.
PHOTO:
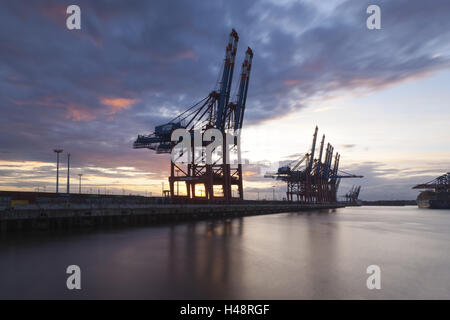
(68, 173)
(80, 175)
(58, 151)
(177, 171)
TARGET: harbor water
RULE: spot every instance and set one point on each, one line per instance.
(309, 255)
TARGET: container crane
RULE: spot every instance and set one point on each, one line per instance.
(220, 180)
(436, 194)
(352, 195)
(310, 180)
(441, 183)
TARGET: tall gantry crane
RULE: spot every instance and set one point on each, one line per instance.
(352, 195)
(220, 181)
(311, 180)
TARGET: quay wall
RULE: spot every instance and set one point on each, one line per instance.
(54, 218)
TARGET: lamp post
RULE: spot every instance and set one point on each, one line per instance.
(68, 173)
(79, 185)
(58, 151)
(178, 171)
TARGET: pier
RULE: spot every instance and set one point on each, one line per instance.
(76, 216)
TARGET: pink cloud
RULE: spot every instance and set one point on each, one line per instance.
(74, 111)
(54, 12)
(116, 105)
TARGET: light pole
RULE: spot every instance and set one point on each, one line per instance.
(58, 151)
(79, 185)
(178, 171)
(273, 189)
(68, 173)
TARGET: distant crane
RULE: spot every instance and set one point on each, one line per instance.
(352, 195)
(214, 111)
(437, 193)
(310, 180)
(440, 184)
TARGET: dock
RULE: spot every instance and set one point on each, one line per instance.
(75, 216)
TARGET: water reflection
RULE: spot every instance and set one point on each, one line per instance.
(306, 255)
(201, 254)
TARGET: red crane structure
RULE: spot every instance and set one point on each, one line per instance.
(202, 180)
(436, 194)
(440, 184)
(311, 180)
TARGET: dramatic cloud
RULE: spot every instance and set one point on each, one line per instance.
(136, 64)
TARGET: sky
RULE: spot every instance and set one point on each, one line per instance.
(380, 96)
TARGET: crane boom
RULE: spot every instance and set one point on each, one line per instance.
(313, 148)
(227, 77)
(243, 88)
(440, 183)
(319, 162)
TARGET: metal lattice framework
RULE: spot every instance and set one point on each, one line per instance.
(219, 180)
(441, 183)
(352, 195)
(311, 180)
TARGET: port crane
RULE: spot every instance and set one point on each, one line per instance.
(220, 181)
(352, 195)
(440, 184)
(436, 194)
(311, 180)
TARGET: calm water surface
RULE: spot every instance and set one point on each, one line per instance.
(315, 255)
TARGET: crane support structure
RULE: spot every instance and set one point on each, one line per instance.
(310, 180)
(440, 184)
(196, 179)
(352, 196)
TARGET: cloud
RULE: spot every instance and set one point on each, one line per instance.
(324, 109)
(384, 182)
(67, 88)
(118, 104)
